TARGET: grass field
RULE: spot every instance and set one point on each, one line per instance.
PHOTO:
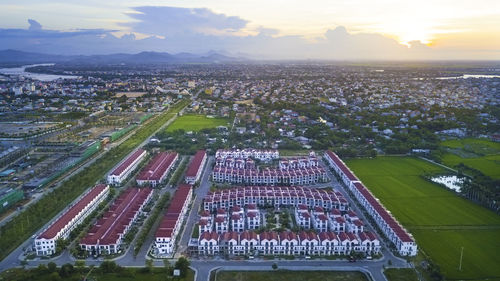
(127, 274)
(191, 122)
(441, 221)
(285, 275)
(480, 154)
(401, 274)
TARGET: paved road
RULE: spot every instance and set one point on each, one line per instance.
(192, 219)
(204, 267)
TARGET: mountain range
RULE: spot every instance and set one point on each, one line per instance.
(21, 57)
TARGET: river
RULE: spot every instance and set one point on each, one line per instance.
(21, 71)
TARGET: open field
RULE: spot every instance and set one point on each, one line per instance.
(286, 275)
(441, 221)
(191, 122)
(125, 274)
(401, 274)
(480, 154)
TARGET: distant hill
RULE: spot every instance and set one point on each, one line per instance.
(20, 57)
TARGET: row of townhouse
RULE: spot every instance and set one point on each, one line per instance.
(287, 243)
(402, 239)
(240, 163)
(106, 236)
(157, 169)
(331, 221)
(126, 167)
(236, 220)
(196, 166)
(45, 243)
(259, 154)
(298, 162)
(274, 196)
(270, 176)
(168, 231)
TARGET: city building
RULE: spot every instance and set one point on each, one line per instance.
(274, 196)
(126, 167)
(287, 243)
(107, 234)
(157, 169)
(392, 229)
(195, 168)
(168, 231)
(259, 154)
(45, 243)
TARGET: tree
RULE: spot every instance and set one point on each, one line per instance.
(108, 266)
(149, 265)
(42, 269)
(80, 265)
(183, 265)
(52, 266)
(66, 270)
(167, 267)
(54, 276)
(274, 266)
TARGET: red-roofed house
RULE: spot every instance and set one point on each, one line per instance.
(195, 168)
(45, 243)
(107, 234)
(167, 232)
(126, 167)
(157, 169)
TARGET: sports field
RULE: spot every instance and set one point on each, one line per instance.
(192, 122)
(440, 221)
(480, 154)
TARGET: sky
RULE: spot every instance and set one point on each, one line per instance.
(261, 29)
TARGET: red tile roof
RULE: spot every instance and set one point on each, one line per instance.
(195, 164)
(157, 167)
(63, 220)
(119, 215)
(172, 215)
(124, 165)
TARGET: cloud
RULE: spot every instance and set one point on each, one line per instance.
(177, 30)
(34, 25)
(169, 21)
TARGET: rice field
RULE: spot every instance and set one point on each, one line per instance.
(441, 222)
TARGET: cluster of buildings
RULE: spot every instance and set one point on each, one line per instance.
(126, 167)
(287, 243)
(265, 155)
(392, 229)
(329, 221)
(237, 219)
(85, 93)
(289, 196)
(106, 235)
(336, 232)
(45, 244)
(157, 169)
(235, 166)
(168, 231)
(195, 167)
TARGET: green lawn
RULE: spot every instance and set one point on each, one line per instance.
(401, 274)
(286, 275)
(191, 122)
(127, 274)
(480, 154)
(441, 221)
